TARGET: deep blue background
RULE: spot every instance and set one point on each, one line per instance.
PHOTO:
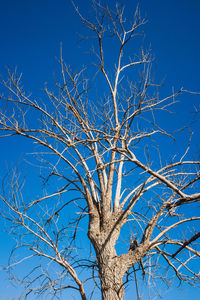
(30, 36)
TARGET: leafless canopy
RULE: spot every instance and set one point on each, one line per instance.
(96, 142)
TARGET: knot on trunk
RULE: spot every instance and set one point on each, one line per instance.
(133, 244)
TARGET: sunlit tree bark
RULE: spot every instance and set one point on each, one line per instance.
(103, 151)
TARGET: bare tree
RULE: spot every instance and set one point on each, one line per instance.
(104, 177)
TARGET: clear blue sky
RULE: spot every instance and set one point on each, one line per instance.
(30, 36)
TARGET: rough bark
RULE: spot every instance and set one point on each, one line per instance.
(111, 278)
(111, 272)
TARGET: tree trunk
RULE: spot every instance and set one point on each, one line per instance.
(111, 269)
(111, 280)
